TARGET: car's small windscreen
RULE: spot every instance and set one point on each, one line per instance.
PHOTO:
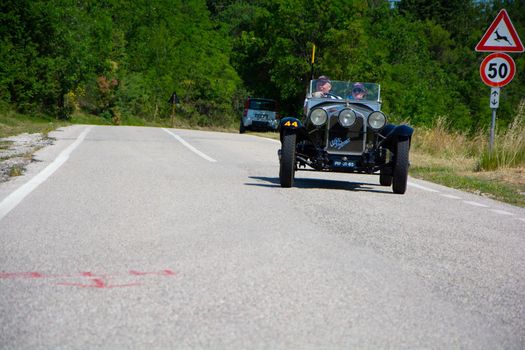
(350, 90)
(262, 105)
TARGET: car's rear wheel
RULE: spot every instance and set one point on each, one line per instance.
(384, 179)
(385, 174)
(287, 165)
(242, 129)
(400, 174)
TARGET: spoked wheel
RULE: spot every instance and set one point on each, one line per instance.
(287, 166)
(400, 175)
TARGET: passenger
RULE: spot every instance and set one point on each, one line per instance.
(358, 92)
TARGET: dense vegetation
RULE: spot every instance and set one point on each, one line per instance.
(123, 59)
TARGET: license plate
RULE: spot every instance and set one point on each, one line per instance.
(261, 116)
(341, 164)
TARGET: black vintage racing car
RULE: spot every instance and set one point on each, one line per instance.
(345, 131)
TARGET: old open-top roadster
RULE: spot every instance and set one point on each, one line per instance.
(345, 131)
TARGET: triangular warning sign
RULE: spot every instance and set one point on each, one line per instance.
(501, 36)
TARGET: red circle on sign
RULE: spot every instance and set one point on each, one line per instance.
(497, 69)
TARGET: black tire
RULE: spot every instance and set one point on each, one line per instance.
(384, 179)
(242, 129)
(287, 165)
(400, 175)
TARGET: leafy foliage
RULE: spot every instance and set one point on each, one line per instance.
(123, 59)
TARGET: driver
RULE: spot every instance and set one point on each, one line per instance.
(323, 87)
(358, 91)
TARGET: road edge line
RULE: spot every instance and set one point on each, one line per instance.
(13, 199)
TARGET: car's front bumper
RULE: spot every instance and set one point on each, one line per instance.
(260, 124)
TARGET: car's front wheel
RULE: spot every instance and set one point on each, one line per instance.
(400, 175)
(287, 165)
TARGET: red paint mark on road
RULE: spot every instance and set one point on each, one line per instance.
(12, 275)
(92, 275)
(161, 273)
(95, 280)
(98, 283)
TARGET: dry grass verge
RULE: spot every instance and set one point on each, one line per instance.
(457, 160)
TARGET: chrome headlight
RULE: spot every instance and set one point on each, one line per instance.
(318, 116)
(347, 117)
(377, 120)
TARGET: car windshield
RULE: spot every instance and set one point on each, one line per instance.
(262, 105)
(350, 90)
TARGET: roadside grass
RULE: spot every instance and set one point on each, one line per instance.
(4, 145)
(83, 118)
(456, 160)
(486, 184)
(16, 170)
(274, 135)
(509, 151)
(12, 123)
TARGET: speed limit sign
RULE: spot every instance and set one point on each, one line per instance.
(497, 69)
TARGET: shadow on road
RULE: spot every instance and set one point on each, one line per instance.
(321, 184)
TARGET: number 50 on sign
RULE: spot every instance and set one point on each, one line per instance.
(497, 69)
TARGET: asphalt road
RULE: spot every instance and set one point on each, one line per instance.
(135, 238)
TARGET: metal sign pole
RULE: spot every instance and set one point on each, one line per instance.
(173, 115)
(174, 100)
(312, 62)
(492, 128)
(494, 104)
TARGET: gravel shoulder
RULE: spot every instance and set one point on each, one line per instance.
(16, 152)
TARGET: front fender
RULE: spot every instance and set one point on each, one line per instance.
(393, 133)
(290, 124)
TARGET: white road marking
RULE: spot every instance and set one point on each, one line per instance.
(271, 140)
(263, 138)
(422, 187)
(450, 196)
(502, 212)
(476, 204)
(190, 147)
(11, 201)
